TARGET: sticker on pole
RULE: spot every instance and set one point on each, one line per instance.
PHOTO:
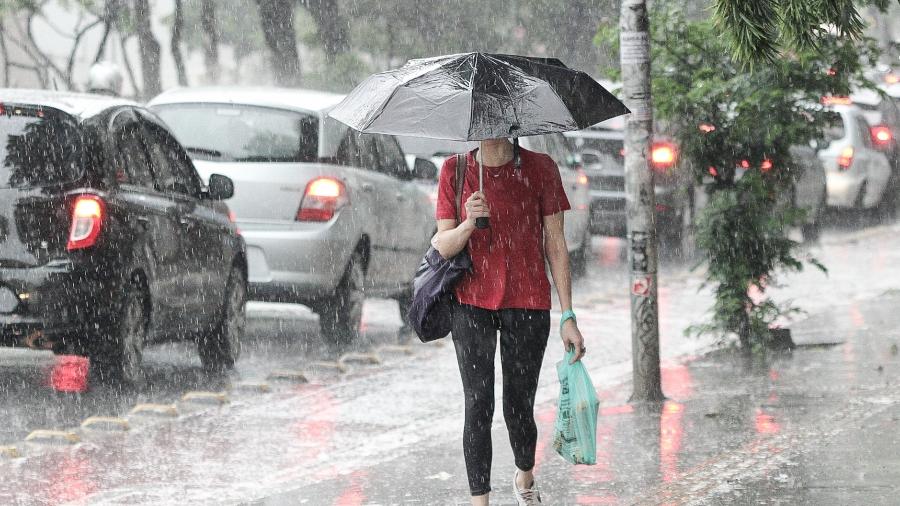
(640, 286)
(634, 48)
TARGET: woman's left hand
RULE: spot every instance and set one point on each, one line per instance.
(571, 337)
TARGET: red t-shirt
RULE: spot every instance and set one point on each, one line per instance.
(508, 258)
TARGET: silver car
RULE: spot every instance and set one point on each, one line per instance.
(857, 173)
(330, 216)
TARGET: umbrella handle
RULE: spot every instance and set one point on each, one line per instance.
(482, 223)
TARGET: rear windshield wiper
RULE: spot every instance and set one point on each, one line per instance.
(203, 151)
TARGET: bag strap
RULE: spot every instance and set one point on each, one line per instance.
(460, 181)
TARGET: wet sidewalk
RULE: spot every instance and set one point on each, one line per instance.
(818, 425)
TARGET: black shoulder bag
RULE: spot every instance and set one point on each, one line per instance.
(431, 311)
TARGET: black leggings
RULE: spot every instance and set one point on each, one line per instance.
(523, 338)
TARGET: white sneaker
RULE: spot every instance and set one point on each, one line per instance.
(525, 496)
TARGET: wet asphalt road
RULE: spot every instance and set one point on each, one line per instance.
(33, 384)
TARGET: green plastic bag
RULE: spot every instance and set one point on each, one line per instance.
(575, 431)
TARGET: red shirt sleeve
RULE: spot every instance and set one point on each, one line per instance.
(553, 194)
(446, 197)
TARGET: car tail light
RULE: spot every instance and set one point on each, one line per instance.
(745, 164)
(707, 128)
(766, 165)
(322, 199)
(892, 78)
(582, 178)
(881, 136)
(845, 160)
(662, 156)
(87, 219)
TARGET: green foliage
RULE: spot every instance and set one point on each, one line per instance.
(760, 30)
(754, 114)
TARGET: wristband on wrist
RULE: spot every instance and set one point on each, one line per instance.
(567, 315)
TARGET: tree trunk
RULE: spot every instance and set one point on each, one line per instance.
(210, 40)
(277, 19)
(177, 27)
(149, 49)
(641, 206)
(332, 27)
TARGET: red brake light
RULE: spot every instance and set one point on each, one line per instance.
(87, 218)
(745, 164)
(881, 135)
(766, 165)
(323, 197)
(892, 78)
(845, 160)
(707, 128)
(662, 156)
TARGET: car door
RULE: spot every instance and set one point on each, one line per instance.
(380, 210)
(150, 217)
(410, 227)
(196, 247)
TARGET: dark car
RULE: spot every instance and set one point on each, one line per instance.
(602, 149)
(108, 239)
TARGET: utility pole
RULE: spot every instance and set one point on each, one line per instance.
(634, 39)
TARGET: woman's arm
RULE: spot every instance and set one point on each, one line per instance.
(558, 257)
(451, 238)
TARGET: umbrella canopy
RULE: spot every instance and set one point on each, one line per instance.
(477, 96)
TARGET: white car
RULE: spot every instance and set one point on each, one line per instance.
(577, 219)
(330, 216)
(857, 174)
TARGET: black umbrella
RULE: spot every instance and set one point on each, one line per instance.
(477, 96)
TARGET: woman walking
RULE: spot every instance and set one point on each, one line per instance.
(506, 292)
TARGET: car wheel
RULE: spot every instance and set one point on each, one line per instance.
(121, 353)
(341, 316)
(221, 348)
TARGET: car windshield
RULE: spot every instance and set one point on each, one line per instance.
(243, 133)
(38, 147)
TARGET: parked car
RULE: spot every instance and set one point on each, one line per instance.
(602, 149)
(857, 173)
(883, 115)
(426, 155)
(330, 216)
(109, 240)
(808, 191)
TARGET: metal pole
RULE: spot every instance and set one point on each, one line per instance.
(640, 202)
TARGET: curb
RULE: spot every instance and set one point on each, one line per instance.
(259, 388)
(164, 410)
(53, 436)
(10, 452)
(288, 376)
(219, 398)
(107, 423)
(360, 358)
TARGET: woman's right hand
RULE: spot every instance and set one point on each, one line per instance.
(476, 207)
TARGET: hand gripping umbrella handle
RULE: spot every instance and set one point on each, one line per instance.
(481, 223)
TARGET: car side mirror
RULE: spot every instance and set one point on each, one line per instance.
(220, 187)
(424, 169)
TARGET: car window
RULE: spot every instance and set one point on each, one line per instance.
(390, 157)
(38, 147)
(130, 163)
(366, 151)
(834, 126)
(348, 152)
(170, 173)
(864, 133)
(243, 133)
